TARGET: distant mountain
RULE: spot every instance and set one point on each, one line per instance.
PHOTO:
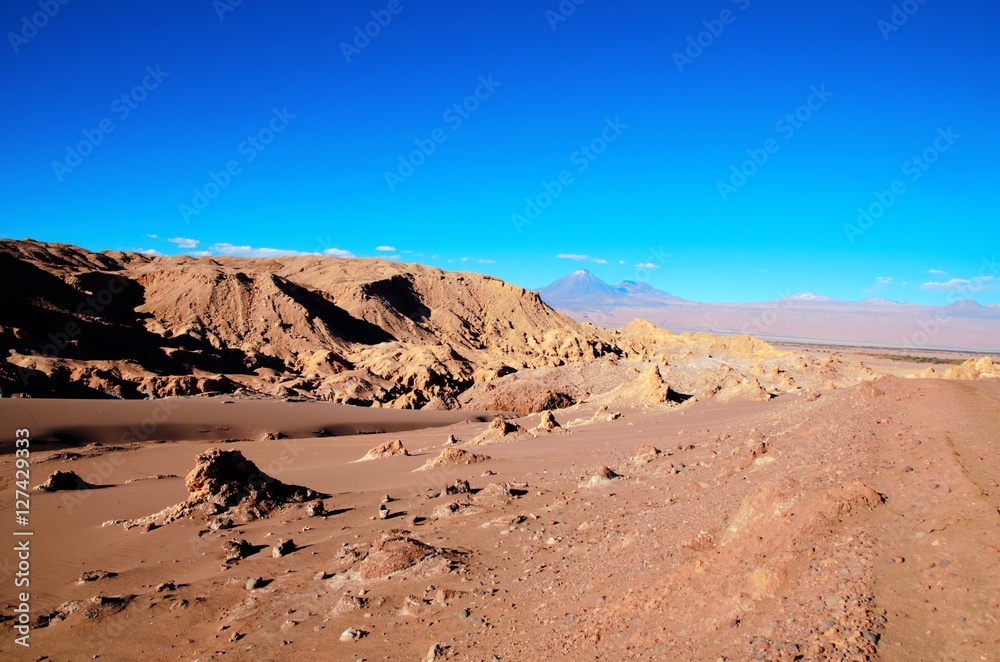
(808, 297)
(805, 316)
(581, 285)
(582, 289)
(645, 290)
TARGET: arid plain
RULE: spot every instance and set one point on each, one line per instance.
(313, 458)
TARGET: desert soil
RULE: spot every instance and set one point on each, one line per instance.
(862, 524)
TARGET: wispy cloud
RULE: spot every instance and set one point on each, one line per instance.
(183, 242)
(482, 261)
(881, 282)
(251, 251)
(961, 285)
(572, 256)
(149, 251)
(598, 260)
(935, 271)
(200, 253)
(337, 252)
(152, 236)
(386, 249)
(647, 265)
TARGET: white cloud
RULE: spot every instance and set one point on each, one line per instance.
(337, 252)
(251, 251)
(598, 260)
(961, 285)
(385, 249)
(183, 242)
(883, 280)
(647, 265)
(572, 256)
(200, 253)
(152, 236)
(935, 271)
(481, 261)
(465, 259)
(621, 261)
(152, 252)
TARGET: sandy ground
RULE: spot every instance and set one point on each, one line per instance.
(864, 524)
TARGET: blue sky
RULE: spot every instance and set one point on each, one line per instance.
(498, 136)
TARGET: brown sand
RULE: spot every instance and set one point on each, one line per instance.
(862, 524)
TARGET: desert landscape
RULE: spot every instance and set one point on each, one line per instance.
(322, 458)
(397, 330)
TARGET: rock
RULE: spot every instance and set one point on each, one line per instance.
(458, 487)
(644, 454)
(392, 552)
(350, 634)
(383, 512)
(95, 575)
(236, 550)
(465, 613)
(254, 582)
(436, 652)
(388, 449)
(283, 548)
(348, 604)
(453, 456)
(62, 481)
(315, 508)
(602, 476)
(225, 482)
(547, 423)
(498, 431)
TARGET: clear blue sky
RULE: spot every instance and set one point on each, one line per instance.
(310, 128)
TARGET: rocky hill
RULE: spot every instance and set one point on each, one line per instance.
(357, 331)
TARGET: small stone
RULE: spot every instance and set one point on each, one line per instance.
(383, 512)
(350, 634)
(283, 548)
(465, 613)
(898, 559)
(254, 582)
